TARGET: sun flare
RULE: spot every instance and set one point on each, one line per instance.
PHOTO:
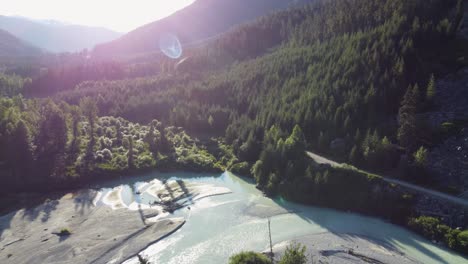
(119, 15)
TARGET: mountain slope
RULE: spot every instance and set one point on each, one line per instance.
(11, 46)
(201, 20)
(56, 37)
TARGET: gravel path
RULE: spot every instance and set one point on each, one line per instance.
(459, 201)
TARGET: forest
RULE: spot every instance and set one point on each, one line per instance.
(346, 79)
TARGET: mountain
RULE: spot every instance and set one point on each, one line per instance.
(56, 36)
(11, 46)
(201, 20)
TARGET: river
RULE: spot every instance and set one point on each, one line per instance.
(220, 226)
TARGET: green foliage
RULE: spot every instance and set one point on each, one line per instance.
(61, 144)
(431, 89)
(294, 254)
(280, 159)
(407, 131)
(462, 241)
(296, 79)
(51, 141)
(433, 229)
(306, 70)
(130, 154)
(347, 189)
(427, 226)
(420, 157)
(241, 168)
(64, 232)
(249, 258)
(12, 85)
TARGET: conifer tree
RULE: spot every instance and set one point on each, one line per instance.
(407, 119)
(130, 157)
(431, 90)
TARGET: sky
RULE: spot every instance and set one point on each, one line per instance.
(118, 15)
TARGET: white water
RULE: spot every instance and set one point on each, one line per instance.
(220, 226)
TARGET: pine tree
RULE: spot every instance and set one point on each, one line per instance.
(130, 153)
(89, 108)
(75, 116)
(420, 157)
(354, 156)
(150, 139)
(164, 144)
(431, 89)
(51, 140)
(21, 154)
(407, 131)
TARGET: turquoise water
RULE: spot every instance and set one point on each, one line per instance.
(220, 226)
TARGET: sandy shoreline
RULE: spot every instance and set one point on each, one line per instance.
(106, 227)
(334, 248)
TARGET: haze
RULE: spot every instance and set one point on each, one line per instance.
(118, 15)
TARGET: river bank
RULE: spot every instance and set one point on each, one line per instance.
(334, 248)
(120, 219)
(90, 226)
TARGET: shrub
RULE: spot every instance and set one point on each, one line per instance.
(249, 258)
(241, 168)
(462, 241)
(420, 157)
(451, 238)
(431, 228)
(142, 260)
(294, 254)
(107, 154)
(145, 161)
(64, 232)
(425, 225)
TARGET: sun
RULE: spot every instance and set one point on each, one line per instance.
(119, 15)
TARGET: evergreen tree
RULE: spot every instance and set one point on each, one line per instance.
(89, 108)
(407, 131)
(75, 120)
(354, 156)
(20, 152)
(431, 89)
(164, 144)
(150, 139)
(51, 141)
(420, 157)
(130, 153)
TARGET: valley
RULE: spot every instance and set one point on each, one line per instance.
(341, 120)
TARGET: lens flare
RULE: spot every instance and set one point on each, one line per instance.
(170, 46)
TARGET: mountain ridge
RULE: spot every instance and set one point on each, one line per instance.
(194, 23)
(11, 46)
(56, 37)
